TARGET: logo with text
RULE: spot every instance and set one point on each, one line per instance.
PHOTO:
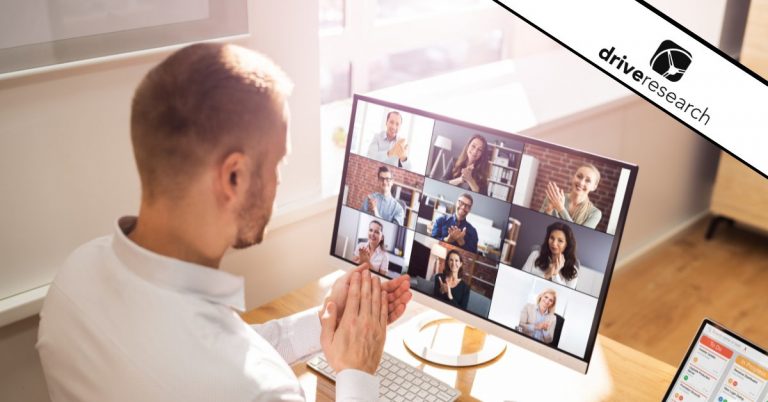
(671, 60)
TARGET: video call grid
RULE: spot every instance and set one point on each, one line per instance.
(473, 193)
(425, 179)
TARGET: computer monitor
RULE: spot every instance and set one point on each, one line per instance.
(510, 234)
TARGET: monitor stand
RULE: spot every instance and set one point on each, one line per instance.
(443, 340)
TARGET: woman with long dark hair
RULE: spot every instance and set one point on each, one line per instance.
(373, 250)
(449, 285)
(556, 259)
(470, 171)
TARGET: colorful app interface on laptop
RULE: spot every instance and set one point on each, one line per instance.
(722, 368)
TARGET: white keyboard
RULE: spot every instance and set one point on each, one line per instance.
(398, 381)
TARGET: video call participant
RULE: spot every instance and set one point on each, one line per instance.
(144, 314)
(538, 320)
(556, 260)
(386, 147)
(470, 171)
(373, 251)
(449, 285)
(575, 206)
(382, 204)
(454, 229)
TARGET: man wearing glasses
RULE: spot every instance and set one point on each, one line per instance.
(455, 229)
(382, 204)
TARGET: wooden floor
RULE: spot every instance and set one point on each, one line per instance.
(656, 303)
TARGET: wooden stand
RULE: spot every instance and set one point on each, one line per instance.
(740, 194)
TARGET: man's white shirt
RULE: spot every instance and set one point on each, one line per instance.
(121, 323)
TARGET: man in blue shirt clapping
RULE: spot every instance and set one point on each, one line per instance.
(382, 204)
(455, 229)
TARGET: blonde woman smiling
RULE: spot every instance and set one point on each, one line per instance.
(538, 321)
(575, 206)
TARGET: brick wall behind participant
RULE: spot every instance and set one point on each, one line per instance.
(559, 167)
(362, 179)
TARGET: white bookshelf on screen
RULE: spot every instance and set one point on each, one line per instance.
(529, 167)
(504, 171)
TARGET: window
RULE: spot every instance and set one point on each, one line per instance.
(367, 45)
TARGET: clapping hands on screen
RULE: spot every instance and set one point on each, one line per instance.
(555, 197)
(372, 205)
(466, 176)
(363, 254)
(556, 265)
(447, 285)
(399, 150)
(456, 235)
(466, 173)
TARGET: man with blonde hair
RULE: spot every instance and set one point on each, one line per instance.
(144, 314)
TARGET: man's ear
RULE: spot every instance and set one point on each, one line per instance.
(232, 176)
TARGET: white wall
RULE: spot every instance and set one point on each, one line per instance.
(66, 164)
(67, 173)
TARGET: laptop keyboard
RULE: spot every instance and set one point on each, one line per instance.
(398, 381)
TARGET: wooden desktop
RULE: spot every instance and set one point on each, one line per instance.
(631, 375)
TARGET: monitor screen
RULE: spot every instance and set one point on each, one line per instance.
(517, 232)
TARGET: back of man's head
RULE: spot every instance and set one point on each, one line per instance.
(200, 104)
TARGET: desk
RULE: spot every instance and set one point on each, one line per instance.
(635, 376)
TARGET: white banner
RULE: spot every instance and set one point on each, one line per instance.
(665, 65)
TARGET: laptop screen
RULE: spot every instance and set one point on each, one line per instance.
(514, 230)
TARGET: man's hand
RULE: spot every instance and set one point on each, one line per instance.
(456, 235)
(398, 293)
(372, 205)
(399, 150)
(358, 340)
(403, 151)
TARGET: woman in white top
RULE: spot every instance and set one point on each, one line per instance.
(556, 260)
(575, 205)
(373, 250)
